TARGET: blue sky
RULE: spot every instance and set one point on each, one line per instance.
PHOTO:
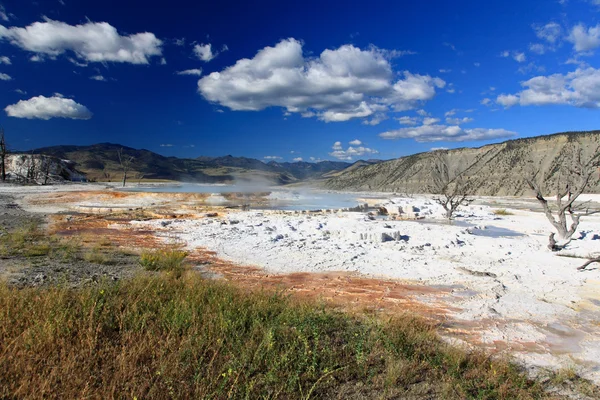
(288, 80)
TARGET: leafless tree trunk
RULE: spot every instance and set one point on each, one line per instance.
(2, 155)
(450, 187)
(106, 174)
(580, 175)
(584, 266)
(125, 162)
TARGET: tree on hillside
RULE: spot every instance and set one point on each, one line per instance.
(579, 175)
(125, 162)
(450, 186)
(3, 153)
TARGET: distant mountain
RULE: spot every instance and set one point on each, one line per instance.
(101, 162)
(496, 169)
(306, 170)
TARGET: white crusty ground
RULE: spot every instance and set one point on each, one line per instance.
(536, 295)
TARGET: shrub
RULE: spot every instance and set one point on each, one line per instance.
(166, 259)
(502, 211)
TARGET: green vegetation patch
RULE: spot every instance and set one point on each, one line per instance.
(163, 336)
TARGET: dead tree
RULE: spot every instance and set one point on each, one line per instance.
(580, 175)
(106, 174)
(3, 153)
(584, 266)
(449, 185)
(125, 162)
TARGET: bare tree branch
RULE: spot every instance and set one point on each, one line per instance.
(568, 189)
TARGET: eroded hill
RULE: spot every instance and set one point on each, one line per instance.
(496, 169)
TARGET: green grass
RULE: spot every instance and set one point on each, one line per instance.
(159, 336)
(165, 259)
(31, 241)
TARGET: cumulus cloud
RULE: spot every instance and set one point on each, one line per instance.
(297, 159)
(5, 60)
(583, 38)
(195, 72)
(459, 121)
(486, 101)
(407, 120)
(507, 100)
(435, 133)
(204, 52)
(438, 148)
(338, 85)
(355, 142)
(98, 78)
(580, 88)
(92, 41)
(351, 152)
(272, 158)
(550, 32)
(41, 107)
(430, 121)
(5, 77)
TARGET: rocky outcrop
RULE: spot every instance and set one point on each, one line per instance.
(496, 169)
(40, 169)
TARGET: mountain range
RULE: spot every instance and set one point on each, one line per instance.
(101, 162)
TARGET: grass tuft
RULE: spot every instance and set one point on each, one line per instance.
(502, 211)
(165, 259)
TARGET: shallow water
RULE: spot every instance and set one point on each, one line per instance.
(278, 199)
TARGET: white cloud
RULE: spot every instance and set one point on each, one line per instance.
(580, 88)
(519, 57)
(376, 119)
(438, 148)
(20, 91)
(492, 88)
(204, 52)
(585, 39)
(3, 13)
(5, 77)
(166, 145)
(459, 121)
(48, 107)
(430, 121)
(195, 72)
(422, 113)
(272, 158)
(450, 113)
(355, 142)
(435, 133)
(179, 42)
(297, 159)
(550, 32)
(486, 101)
(351, 152)
(445, 71)
(5, 60)
(98, 78)
(507, 100)
(537, 48)
(407, 120)
(505, 54)
(338, 85)
(163, 61)
(93, 42)
(36, 58)
(76, 63)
